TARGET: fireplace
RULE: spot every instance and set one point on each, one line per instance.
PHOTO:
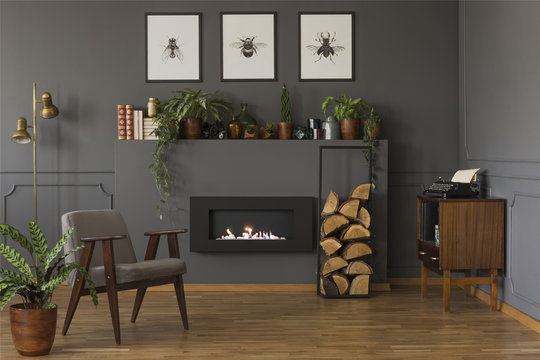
(239, 224)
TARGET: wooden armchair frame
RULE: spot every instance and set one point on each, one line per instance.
(112, 287)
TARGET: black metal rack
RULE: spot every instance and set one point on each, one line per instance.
(370, 169)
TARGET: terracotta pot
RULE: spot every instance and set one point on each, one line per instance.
(351, 129)
(32, 330)
(285, 130)
(192, 128)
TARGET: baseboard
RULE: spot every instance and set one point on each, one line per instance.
(377, 287)
(509, 310)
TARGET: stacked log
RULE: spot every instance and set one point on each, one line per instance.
(344, 232)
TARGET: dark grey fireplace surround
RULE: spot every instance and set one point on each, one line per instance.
(290, 217)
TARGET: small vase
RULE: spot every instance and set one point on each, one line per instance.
(32, 330)
(330, 128)
(234, 129)
(351, 129)
(245, 118)
(285, 130)
(152, 107)
(192, 128)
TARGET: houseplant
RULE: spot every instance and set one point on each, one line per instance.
(33, 322)
(349, 111)
(189, 108)
(285, 126)
(193, 107)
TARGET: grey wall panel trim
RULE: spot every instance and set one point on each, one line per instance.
(463, 91)
(510, 242)
(513, 177)
(57, 172)
(15, 186)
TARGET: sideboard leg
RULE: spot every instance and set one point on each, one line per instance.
(446, 290)
(467, 287)
(494, 289)
(424, 282)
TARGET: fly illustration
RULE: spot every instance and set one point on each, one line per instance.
(247, 46)
(172, 51)
(325, 48)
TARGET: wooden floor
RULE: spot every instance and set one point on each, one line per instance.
(389, 325)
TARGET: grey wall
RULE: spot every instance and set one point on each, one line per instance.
(499, 127)
(90, 56)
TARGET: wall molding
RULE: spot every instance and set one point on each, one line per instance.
(15, 186)
(510, 243)
(463, 89)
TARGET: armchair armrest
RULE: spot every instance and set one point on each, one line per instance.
(102, 238)
(165, 232)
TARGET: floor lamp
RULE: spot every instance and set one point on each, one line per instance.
(21, 136)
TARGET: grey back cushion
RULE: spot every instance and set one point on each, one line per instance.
(88, 223)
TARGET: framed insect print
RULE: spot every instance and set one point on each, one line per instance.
(173, 47)
(326, 46)
(248, 46)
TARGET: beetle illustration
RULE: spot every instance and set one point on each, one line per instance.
(172, 51)
(247, 46)
(325, 48)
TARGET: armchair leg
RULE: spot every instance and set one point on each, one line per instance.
(138, 302)
(180, 298)
(110, 285)
(73, 302)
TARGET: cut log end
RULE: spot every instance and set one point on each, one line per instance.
(328, 287)
(332, 264)
(330, 245)
(334, 224)
(350, 208)
(361, 192)
(360, 285)
(331, 204)
(355, 250)
(364, 217)
(358, 267)
(342, 283)
(355, 232)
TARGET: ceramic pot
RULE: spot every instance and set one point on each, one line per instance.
(351, 129)
(330, 128)
(192, 128)
(285, 130)
(32, 330)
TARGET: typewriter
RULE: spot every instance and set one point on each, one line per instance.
(461, 185)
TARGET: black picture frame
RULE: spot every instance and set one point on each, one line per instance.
(222, 54)
(148, 77)
(352, 43)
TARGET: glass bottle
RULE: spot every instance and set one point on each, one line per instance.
(233, 129)
(244, 118)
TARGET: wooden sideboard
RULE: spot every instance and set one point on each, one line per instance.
(470, 237)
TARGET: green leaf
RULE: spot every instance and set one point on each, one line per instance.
(7, 294)
(40, 244)
(57, 248)
(15, 259)
(63, 274)
(15, 235)
(14, 277)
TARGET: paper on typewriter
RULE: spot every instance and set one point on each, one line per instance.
(465, 176)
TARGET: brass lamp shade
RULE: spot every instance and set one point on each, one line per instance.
(21, 136)
(48, 111)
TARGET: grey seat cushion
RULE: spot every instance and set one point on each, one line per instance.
(149, 269)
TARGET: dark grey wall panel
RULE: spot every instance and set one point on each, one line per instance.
(90, 56)
(242, 168)
(499, 93)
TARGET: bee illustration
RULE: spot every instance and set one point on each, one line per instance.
(172, 51)
(247, 46)
(325, 49)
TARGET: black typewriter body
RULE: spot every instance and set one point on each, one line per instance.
(448, 189)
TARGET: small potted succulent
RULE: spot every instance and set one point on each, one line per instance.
(267, 131)
(33, 322)
(350, 111)
(285, 126)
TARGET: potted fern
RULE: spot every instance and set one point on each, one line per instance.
(285, 126)
(349, 111)
(33, 322)
(193, 107)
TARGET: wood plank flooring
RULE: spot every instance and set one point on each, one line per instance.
(261, 325)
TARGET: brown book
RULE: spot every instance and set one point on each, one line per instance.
(121, 122)
(130, 130)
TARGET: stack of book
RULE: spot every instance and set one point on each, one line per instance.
(132, 125)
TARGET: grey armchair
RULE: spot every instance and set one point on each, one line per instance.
(110, 259)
